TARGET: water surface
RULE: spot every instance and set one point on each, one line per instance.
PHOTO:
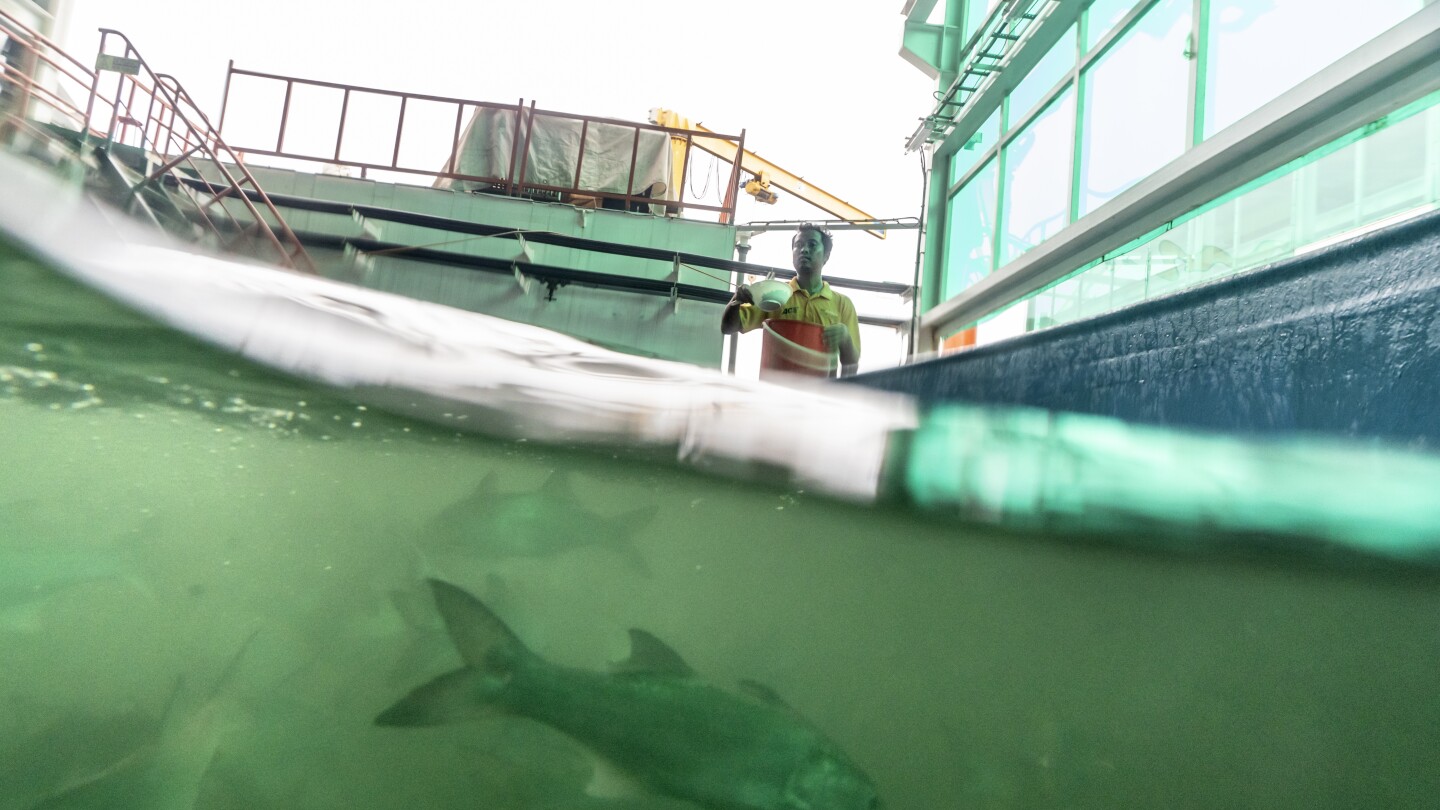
(225, 588)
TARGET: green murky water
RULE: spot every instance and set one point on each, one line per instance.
(213, 584)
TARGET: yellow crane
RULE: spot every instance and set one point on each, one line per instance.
(764, 173)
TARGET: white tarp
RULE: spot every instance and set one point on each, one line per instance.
(487, 148)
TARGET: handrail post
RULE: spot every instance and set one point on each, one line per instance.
(684, 174)
(727, 217)
(399, 133)
(525, 147)
(344, 113)
(514, 146)
(225, 96)
(634, 158)
(580, 154)
(284, 118)
(453, 164)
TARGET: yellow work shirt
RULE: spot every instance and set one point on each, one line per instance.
(824, 308)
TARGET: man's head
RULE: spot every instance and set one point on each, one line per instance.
(808, 252)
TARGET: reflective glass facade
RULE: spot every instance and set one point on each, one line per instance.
(971, 154)
(1126, 92)
(1037, 171)
(1136, 105)
(1059, 61)
(1368, 181)
(970, 229)
(1258, 50)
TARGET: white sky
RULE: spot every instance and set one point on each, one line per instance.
(818, 85)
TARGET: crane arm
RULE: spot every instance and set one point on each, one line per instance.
(764, 169)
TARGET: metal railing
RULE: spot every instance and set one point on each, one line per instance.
(1003, 33)
(39, 88)
(173, 127)
(514, 177)
(38, 82)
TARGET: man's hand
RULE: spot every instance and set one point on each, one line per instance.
(836, 337)
(730, 318)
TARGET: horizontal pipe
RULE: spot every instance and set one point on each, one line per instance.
(542, 272)
(558, 239)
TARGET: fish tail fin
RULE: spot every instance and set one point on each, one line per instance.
(491, 652)
(482, 639)
(450, 698)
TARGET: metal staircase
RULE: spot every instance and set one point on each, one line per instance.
(140, 141)
(1002, 33)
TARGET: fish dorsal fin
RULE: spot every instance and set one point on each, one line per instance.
(765, 695)
(770, 697)
(480, 497)
(557, 484)
(649, 655)
(485, 490)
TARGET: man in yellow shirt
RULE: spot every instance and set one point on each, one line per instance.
(811, 300)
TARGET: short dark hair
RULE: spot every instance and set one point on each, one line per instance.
(812, 228)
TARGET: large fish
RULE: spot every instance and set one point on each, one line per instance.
(166, 767)
(653, 719)
(29, 579)
(545, 521)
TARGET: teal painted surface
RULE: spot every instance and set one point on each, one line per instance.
(640, 324)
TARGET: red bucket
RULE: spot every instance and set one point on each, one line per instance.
(796, 347)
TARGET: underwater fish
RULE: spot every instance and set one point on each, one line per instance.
(42, 751)
(546, 521)
(165, 770)
(165, 774)
(652, 719)
(29, 578)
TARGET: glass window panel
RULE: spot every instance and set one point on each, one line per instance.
(1265, 220)
(1066, 297)
(1037, 179)
(975, 13)
(1130, 277)
(1136, 105)
(1006, 323)
(1042, 309)
(1258, 50)
(1104, 15)
(1042, 78)
(967, 156)
(1335, 181)
(1392, 173)
(970, 233)
(1319, 200)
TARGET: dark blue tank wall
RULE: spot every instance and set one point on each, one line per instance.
(1344, 340)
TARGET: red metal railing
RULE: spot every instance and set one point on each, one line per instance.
(512, 180)
(37, 90)
(174, 127)
(38, 82)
